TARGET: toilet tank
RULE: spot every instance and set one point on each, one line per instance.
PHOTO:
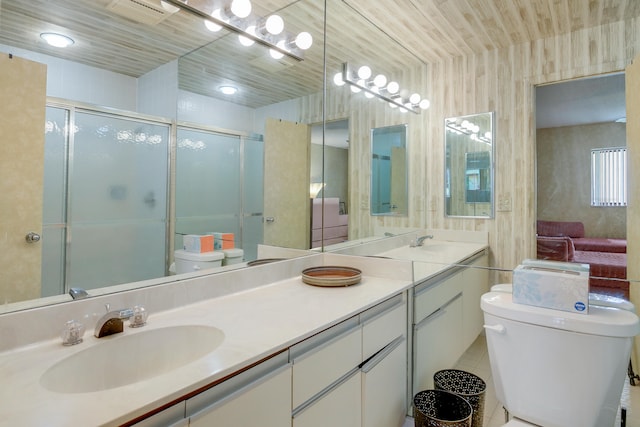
(555, 368)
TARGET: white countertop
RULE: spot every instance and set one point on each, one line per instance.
(257, 319)
(256, 323)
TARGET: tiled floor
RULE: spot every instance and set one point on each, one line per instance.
(476, 360)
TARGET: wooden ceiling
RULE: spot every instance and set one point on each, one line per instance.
(386, 34)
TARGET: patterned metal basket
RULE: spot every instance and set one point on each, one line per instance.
(439, 408)
(466, 385)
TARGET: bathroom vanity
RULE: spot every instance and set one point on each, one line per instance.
(295, 354)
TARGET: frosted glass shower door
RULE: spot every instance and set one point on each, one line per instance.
(208, 197)
(54, 201)
(118, 200)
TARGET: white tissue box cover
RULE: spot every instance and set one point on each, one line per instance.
(559, 289)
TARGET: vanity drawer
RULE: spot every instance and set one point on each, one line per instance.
(323, 359)
(383, 324)
(429, 297)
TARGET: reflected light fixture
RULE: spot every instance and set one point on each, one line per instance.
(57, 40)
(379, 88)
(228, 90)
(237, 16)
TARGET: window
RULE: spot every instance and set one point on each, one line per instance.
(609, 177)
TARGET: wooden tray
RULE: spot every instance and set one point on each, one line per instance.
(331, 276)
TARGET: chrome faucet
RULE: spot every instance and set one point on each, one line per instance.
(419, 241)
(112, 322)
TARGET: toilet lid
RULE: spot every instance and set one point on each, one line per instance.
(605, 321)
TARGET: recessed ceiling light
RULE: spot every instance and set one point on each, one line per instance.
(228, 90)
(57, 40)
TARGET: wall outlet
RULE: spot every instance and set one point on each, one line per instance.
(504, 203)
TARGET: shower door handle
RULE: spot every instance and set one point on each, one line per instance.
(269, 219)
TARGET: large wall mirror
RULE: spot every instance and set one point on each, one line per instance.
(170, 74)
(389, 170)
(469, 147)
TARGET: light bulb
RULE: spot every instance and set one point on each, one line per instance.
(380, 80)
(393, 87)
(355, 89)
(337, 79)
(424, 104)
(274, 24)
(487, 134)
(364, 72)
(414, 98)
(246, 41)
(212, 26)
(304, 40)
(241, 8)
(276, 54)
(392, 105)
(368, 95)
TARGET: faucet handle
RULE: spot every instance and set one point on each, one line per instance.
(72, 333)
(139, 317)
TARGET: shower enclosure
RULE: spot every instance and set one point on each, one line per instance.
(107, 194)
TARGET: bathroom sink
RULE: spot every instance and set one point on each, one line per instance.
(125, 359)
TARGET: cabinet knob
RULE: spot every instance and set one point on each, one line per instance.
(269, 219)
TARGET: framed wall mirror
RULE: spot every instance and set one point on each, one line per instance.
(389, 186)
(469, 171)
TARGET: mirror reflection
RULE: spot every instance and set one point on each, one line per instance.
(389, 170)
(469, 151)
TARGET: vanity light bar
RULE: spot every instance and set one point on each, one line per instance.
(231, 27)
(348, 77)
(453, 126)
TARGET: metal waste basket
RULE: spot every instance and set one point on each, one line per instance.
(466, 385)
(439, 408)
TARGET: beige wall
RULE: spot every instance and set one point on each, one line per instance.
(564, 175)
(500, 80)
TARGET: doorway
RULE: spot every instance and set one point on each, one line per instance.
(573, 118)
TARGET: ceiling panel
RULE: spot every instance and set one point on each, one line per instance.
(357, 31)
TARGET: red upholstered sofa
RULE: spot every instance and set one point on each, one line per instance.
(607, 258)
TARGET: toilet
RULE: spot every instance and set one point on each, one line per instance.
(188, 262)
(232, 256)
(555, 368)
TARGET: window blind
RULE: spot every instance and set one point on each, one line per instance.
(609, 177)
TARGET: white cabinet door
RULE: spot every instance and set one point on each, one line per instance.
(384, 386)
(264, 402)
(437, 343)
(340, 407)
